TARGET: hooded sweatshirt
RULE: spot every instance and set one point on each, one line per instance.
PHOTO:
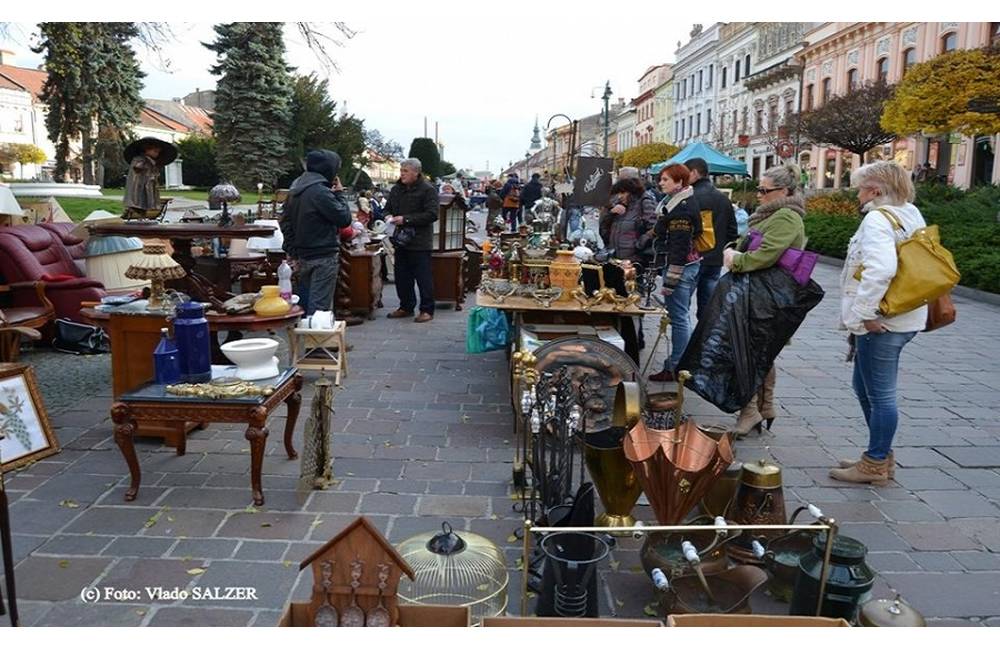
(313, 213)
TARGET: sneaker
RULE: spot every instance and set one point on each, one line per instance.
(424, 317)
(665, 376)
(399, 313)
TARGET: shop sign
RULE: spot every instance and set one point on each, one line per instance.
(955, 138)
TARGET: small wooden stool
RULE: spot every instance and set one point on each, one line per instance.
(310, 349)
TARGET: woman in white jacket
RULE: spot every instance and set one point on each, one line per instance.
(869, 268)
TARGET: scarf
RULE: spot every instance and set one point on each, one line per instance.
(796, 203)
(670, 202)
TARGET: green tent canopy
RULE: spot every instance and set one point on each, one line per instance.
(717, 163)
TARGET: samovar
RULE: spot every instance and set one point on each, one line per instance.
(759, 500)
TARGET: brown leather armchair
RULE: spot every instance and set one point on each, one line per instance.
(16, 322)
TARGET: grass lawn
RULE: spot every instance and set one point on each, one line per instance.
(77, 209)
(198, 194)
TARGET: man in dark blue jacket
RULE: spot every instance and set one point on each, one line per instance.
(314, 213)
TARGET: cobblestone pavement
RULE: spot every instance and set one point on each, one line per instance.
(423, 434)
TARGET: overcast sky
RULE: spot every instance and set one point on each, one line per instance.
(482, 71)
(464, 75)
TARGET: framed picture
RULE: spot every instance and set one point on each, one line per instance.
(25, 432)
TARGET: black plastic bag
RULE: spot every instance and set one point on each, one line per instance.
(79, 338)
(749, 319)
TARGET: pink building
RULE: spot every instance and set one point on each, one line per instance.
(840, 55)
(645, 104)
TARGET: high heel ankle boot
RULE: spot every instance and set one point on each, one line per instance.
(765, 399)
(749, 420)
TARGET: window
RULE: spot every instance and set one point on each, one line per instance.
(735, 122)
(758, 122)
(690, 125)
(697, 124)
(852, 79)
(789, 107)
(746, 66)
(710, 70)
(708, 121)
(772, 118)
(746, 119)
(994, 32)
(883, 70)
(949, 42)
(736, 77)
(724, 73)
(699, 80)
(722, 124)
(809, 97)
(826, 90)
(909, 59)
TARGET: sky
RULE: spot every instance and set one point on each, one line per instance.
(483, 94)
(481, 71)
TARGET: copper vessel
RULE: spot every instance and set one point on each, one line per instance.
(759, 500)
(662, 550)
(716, 501)
(731, 591)
(658, 410)
(886, 612)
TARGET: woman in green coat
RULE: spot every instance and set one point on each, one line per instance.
(779, 220)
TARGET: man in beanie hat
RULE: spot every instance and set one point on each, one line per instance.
(313, 215)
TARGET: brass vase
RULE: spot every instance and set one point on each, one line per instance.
(564, 273)
(613, 477)
(759, 501)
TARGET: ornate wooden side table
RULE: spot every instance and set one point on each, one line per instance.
(152, 402)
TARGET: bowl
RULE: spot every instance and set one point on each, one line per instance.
(254, 358)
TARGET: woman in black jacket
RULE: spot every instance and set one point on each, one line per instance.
(678, 225)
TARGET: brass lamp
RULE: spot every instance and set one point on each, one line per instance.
(156, 266)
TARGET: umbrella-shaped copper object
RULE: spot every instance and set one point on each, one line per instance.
(677, 466)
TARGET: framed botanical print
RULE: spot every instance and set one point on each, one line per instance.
(25, 432)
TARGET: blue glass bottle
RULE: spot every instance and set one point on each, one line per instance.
(166, 360)
(192, 337)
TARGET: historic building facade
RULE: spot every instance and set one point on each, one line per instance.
(731, 117)
(695, 84)
(840, 55)
(645, 103)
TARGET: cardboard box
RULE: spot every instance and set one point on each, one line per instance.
(751, 620)
(296, 615)
(543, 621)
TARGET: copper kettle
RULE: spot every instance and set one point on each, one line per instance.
(759, 500)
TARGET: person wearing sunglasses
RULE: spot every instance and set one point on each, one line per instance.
(779, 220)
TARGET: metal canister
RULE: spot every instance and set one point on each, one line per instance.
(848, 586)
(759, 500)
(193, 344)
(886, 612)
(716, 502)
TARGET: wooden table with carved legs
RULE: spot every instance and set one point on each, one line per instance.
(151, 402)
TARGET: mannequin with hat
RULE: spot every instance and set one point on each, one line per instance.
(146, 157)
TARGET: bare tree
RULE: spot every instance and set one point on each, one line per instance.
(852, 121)
(321, 38)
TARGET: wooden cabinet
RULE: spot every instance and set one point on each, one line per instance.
(448, 271)
(359, 283)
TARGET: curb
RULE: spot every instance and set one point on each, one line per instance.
(960, 291)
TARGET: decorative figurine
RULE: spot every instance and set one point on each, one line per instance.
(146, 157)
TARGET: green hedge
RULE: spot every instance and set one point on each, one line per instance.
(969, 229)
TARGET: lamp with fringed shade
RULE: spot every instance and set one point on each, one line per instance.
(157, 267)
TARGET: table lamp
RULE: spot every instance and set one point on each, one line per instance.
(156, 266)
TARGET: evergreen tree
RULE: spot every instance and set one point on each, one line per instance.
(198, 153)
(252, 102)
(424, 150)
(93, 88)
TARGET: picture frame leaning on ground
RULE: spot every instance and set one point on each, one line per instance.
(25, 431)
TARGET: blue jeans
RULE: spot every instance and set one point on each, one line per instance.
(708, 277)
(876, 365)
(678, 305)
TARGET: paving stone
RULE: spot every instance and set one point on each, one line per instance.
(803, 457)
(877, 537)
(327, 501)
(40, 517)
(907, 511)
(475, 488)
(892, 562)
(201, 617)
(977, 456)
(82, 488)
(936, 537)
(55, 579)
(437, 471)
(926, 479)
(406, 452)
(978, 560)
(953, 503)
(74, 545)
(138, 574)
(976, 478)
(329, 526)
(268, 525)
(272, 580)
(75, 614)
(139, 547)
(112, 520)
(461, 506)
(445, 487)
(204, 548)
(405, 527)
(381, 503)
(984, 530)
(367, 468)
(402, 486)
(935, 561)
(950, 594)
(186, 523)
(268, 551)
(851, 512)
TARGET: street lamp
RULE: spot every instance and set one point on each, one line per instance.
(572, 140)
(607, 114)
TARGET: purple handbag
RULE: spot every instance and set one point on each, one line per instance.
(797, 262)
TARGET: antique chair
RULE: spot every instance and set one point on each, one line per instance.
(32, 253)
(16, 322)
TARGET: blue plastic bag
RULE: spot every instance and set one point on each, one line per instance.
(487, 329)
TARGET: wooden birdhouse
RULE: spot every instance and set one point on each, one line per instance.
(355, 578)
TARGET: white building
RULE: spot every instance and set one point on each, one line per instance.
(732, 114)
(663, 108)
(625, 133)
(695, 85)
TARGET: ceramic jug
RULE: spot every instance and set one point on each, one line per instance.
(271, 303)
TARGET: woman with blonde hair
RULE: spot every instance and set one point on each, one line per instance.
(779, 222)
(885, 193)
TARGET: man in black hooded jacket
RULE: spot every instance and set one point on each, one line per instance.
(314, 213)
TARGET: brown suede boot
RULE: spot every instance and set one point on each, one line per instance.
(749, 420)
(866, 470)
(890, 460)
(765, 398)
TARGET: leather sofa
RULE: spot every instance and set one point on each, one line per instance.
(33, 253)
